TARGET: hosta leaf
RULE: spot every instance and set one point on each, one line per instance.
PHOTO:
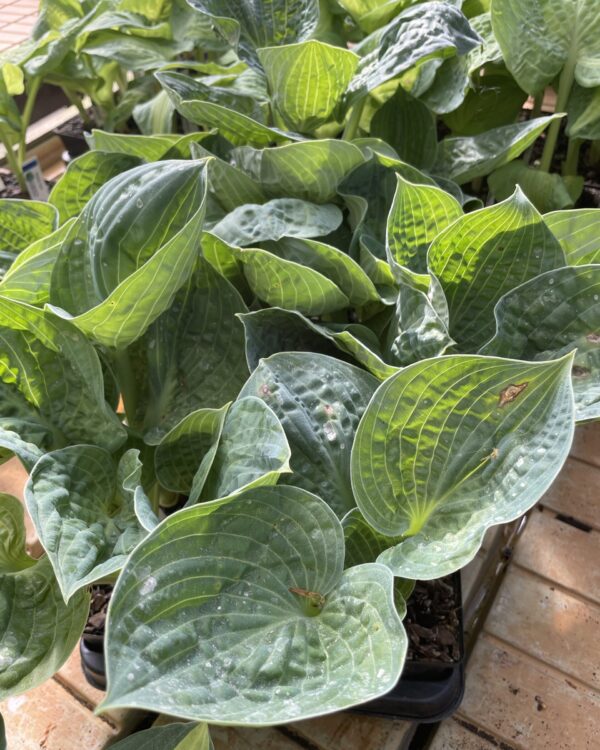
(38, 631)
(284, 283)
(117, 249)
(22, 222)
(310, 170)
(481, 440)
(188, 736)
(418, 214)
(146, 147)
(189, 99)
(578, 232)
(584, 113)
(275, 330)
(541, 38)
(449, 87)
(84, 177)
(264, 24)
(550, 315)
(51, 385)
(156, 115)
(81, 503)
(465, 158)
(251, 641)
(319, 401)
(485, 254)
(223, 257)
(29, 277)
(134, 52)
(419, 326)
(188, 450)
(423, 32)
(409, 126)
(489, 51)
(362, 542)
(278, 218)
(192, 357)
(332, 263)
(2, 734)
(307, 81)
(252, 451)
(546, 191)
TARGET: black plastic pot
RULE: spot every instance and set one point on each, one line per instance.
(428, 691)
(74, 141)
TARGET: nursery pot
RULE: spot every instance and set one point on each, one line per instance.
(71, 134)
(428, 690)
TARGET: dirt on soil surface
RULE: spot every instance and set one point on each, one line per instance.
(432, 622)
(11, 186)
(101, 594)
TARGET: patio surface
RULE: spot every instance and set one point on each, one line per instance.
(17, 18)
(533, 678)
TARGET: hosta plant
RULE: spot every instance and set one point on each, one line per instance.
(266, 374)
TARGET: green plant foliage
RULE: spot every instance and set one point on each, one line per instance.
(21, 223)
(579, 234)
(285, 577)
(480, 443)
(188, 736)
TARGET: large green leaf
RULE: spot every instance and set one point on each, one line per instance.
(311, 170)
(418, 214)
(188, 736)
(486, 254)
(584, 113)
(263, 24)
(578, 232)
(81, 503)
(38, 631)
(84, 177)
(542, 37)
(30, 276)
(189, 99)
(273, 330)
(319, 401)
(545, 190)
(550, 315)
(409, 127)
(453, 445)
(464, 158)
(290, 285)
(449, 87)
(427, 31)
(230, 613)
(147, 147)
(134, 52)
(192, 356)
(51, 384)
(307, 81)
(22, 222)
(140, 230)
(275, 219)
(253, 451)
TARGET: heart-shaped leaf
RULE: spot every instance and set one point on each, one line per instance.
(550, 315)
(578, 232)
(84, 177)
(81, 503)
(278, 218)
(427, 31)
(117, 249)
(480, 441)
(188, 736)
(269, 23)
(51, 385)
(146, 147)
(485, 254)
(464, 158)
(319, 401)
(307, 81)
(22, 222)
(310, 170)
(541, 38)
(418, 214)
(251, 639)
(38, 630)
(547, 192)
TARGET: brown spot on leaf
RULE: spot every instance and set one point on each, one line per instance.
(580, 372)
(318, 600)
(510, 393)
(593, 338)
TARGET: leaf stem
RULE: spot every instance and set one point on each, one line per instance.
(34, 87)
(538, 103)
(351, 128)
(15, 167)
(565, 84)
(76, 102)
(127, 385)
(571, 162)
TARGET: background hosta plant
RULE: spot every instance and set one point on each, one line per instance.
(267, 372)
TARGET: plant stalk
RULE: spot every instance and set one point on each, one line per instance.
(354, 120)
(34, 87)
(15, 167)
(127, 385)
(571, 162)
(76, 102)
(538, 103)
(565, 84)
